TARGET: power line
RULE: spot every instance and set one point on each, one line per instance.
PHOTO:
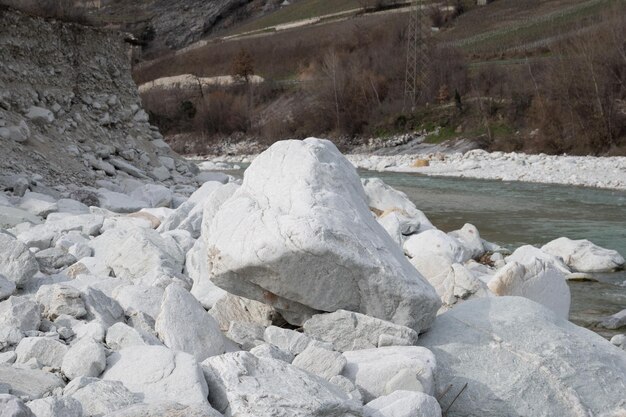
(416, 78)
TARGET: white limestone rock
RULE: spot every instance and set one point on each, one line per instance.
(212, 204)
(232, 308)
(155, 195)
(141, 298)
(10, 336)
(56, 407)
(286, 339)
(17, 263)
(469, 237)
(166, 409)
(159, 374)
(299, 235)
(20, 312)
(85, 358)
(38, 204)
(347, 330)
(384, 370)
(29, 383)
(619, 340)
(102, 307)
(7, 288)
(388, 202)
(11, 406)
(184, 325)
(98, 398)
(528, 253)
(519, 358)
(39, 115)
(11, 217)
(243, 385)
(118, 202)
(538, 281)
(183, 212)
(121, 335)
(246, 335)
(614, 321)
(58, 299)
(47, 351)
(403, 404)
(197, 267)
(267, 350)
(138, 254)
(434, 242)
(583, 255)
(321, 362)
(455, 284)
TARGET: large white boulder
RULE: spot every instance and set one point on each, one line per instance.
(347, 330)
(469, 237)
(59, 299)
(166, 409)
(155, 195)
(7, 288)
(299, 235)
(29, 383)
(98, 397)
(183, 212)
(11, 406)
(583, 255)
(527, 253)
(434, 242)
(381, 371)
(158, 373)
(403, 404)
(454, 284)
(243, 385)
(320, 361)
(142, 298)
(231, 308)
(20, 312)
(118, 202)
(183, 324)
(56, 407)
(519, 358)
(17, 263)
(541, 282)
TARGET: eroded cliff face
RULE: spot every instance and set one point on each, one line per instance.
(69, 109)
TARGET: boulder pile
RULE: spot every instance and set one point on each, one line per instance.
(299, 291)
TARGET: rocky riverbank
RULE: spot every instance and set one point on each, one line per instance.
(301, 291)
(587, 171)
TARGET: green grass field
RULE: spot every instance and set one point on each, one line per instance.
(303, 9)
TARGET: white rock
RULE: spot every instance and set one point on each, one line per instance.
(7, 288)
(372, 370)
(29, 383)
(161, 173)
(386, 200)
(99, 398)
(299, 235)
(184, 325)
(212, 204)
(267, 350)
(11, 216)
(10, 336)
(89, 265)
(615, 321)
(166, 409)
(17, 263)
(7, 358)
(118, 202)
(455, 284)
(247, 335)
(20, 312)
(404, 404)
(38, 204)
(155, 195)
(347, 330)
(40, 115)
(181, 213)
(102, 307)
(286, 339)
(619, 340)
(11, 406)
(469, 237)
(584, 256)
(58, 299)
(348, 387)
(121, 335)
(159, 374)
(520, 359)
(527, 254)
(56, 407)
(139, 298)
(243, 385)
(68, 205)
(85, 358)
(232, 308)
(321, 362)
(538, 281)
(47, 351)
(196, 266)
(434, 242)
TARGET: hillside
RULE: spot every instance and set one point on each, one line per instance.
(494, 74)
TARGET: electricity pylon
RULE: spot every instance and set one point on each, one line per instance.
(416, 78)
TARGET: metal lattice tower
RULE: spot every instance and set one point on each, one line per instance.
(416, 78)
